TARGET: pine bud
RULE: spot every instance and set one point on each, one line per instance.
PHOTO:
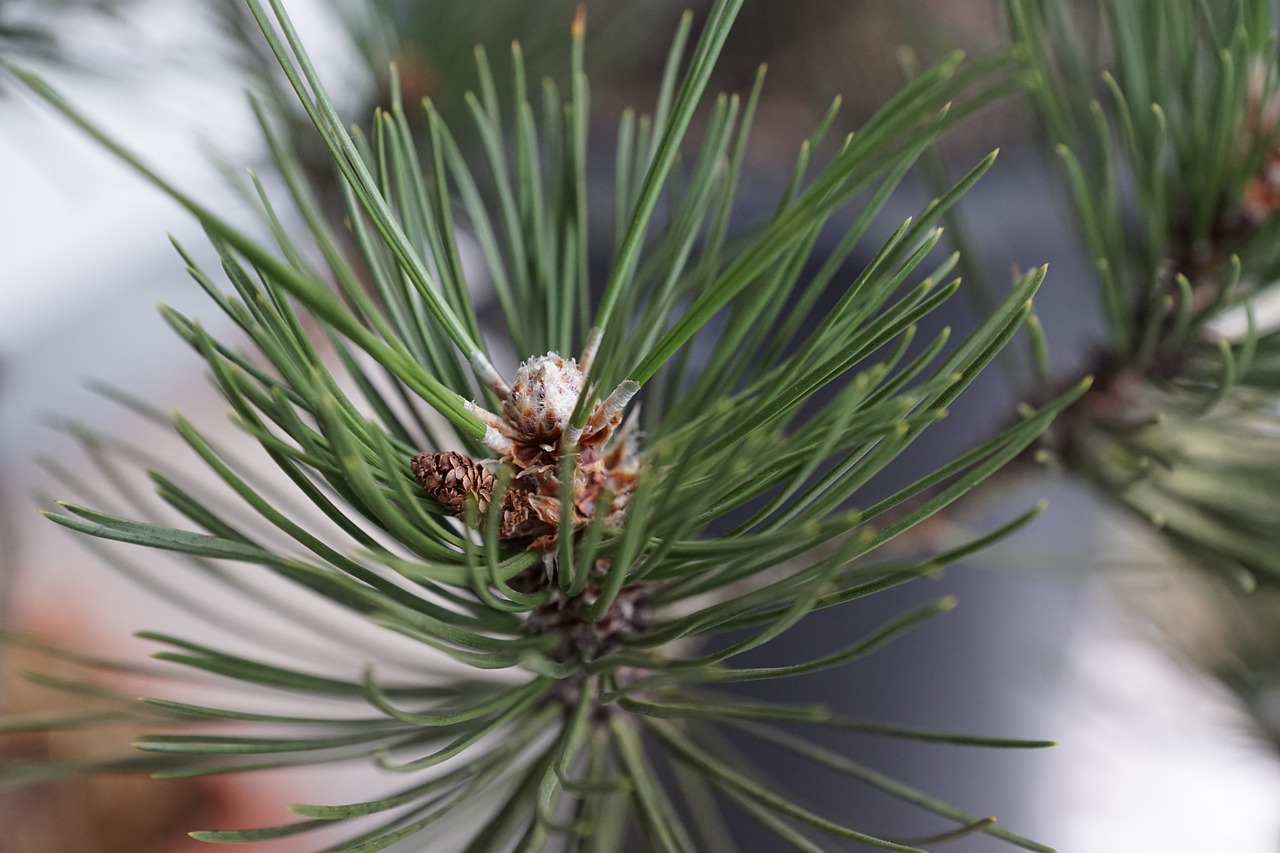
(543, 395)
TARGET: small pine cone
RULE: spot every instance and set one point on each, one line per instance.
(451, 477)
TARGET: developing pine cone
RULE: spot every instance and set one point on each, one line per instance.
(451, 477)
(536, 412)
(543, 395)
(534, 419)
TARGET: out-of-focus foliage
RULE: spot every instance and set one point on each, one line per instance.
(1167, 121)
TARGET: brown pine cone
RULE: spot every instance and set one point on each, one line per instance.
(451, 477)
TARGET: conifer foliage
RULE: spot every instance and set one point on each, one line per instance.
(546, 540)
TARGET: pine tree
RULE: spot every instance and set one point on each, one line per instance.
(551, 536)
